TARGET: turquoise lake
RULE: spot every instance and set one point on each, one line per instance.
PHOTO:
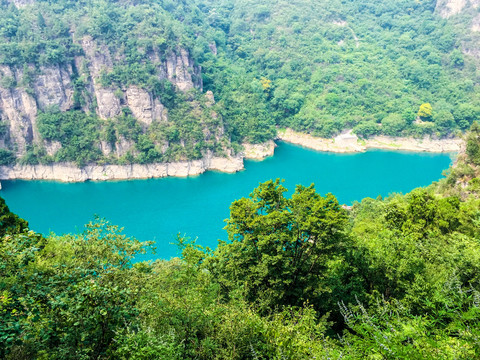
(157, 209)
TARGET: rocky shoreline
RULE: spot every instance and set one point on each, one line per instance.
(68, 172)
(259, 151)
(348, 142)
(344, 143)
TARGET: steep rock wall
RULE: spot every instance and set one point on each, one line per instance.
(466, 18)
(21, 3)
(144, 107)
(18, 111)
(448, 8)
(53, 87)
(97, 60)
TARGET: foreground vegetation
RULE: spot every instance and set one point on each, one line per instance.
(299, 278)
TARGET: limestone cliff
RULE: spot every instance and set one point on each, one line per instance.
(448, 8)
(465, 16)
(144, 107)
(29, 89)
(26, 91)
(21, 3)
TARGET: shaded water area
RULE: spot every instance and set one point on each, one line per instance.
(158, 209)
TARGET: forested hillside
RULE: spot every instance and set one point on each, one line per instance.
(118, 82)
(299, 277)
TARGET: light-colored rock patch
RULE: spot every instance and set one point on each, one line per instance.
(19, 110)
(209, 98)
(476, 23)
(447, 8)
(259, 151)
(409, 144)
(179, 68)
(123, 146)
(99, 59)
(349, 142)
(105, 148)
(53, 87)
(68, 172)
(21, 3)
(51, 147)
(346, 142)
(108, 105)
(228, 165)
(144, 107)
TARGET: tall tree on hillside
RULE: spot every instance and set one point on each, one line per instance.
(283, 251)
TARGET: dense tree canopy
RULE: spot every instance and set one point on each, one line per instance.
(283, 251)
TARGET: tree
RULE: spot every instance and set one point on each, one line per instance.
(444, 122)
(425, 111)
(10, 223)
(456, 58)
(66, 296)
(367, 129)
(465, 114)
(473, 144)
(6, 157)
(282, 251)
(393, 124)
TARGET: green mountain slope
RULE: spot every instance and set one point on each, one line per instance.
(135, 75)
(339, 64)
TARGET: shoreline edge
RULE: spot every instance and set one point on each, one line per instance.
(347, 142)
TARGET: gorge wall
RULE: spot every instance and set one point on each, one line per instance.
(54, 87)
(127, 88)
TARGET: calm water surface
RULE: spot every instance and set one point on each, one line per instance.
(157, 209)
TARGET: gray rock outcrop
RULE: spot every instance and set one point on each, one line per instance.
(144, 107)
(21, 3)
(448, 8)
(18, 112)
(179, 70)
(51, 87)
(70, 173)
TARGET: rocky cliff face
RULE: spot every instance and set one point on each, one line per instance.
(448, 8)
(26, 91)
(144, 107)
(465, 16)
(21, 3)
(18, 111)
(53, 87)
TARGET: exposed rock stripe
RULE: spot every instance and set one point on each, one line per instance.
(349, 142)
(69, 172)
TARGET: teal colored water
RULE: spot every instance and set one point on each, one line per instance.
(158, 209)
